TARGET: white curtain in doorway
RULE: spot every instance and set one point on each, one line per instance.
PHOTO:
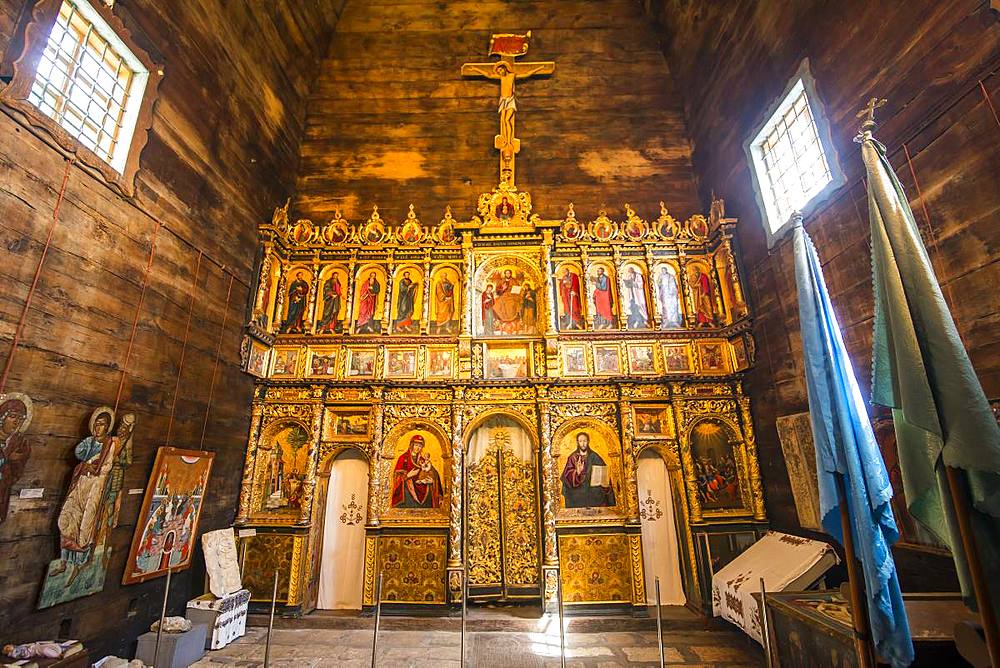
(660, 553)
(341, 567)
(520, 441)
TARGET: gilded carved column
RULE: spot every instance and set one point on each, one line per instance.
(245, 487)
(684, 451)
(739, 306)
(654, 304)
(585, 287)
(468, 260)
(549, 477)
(720, 306)
(550, 483)
(279, 301)
(352, 281)
(631, 465)
(682, 277)
(310, 317)
(387, 304)
(375, 463)
(426, 306)
(753, 466)
(458, 480)
(549, 272)
(455, 553)
(309, 485)
(262, 283)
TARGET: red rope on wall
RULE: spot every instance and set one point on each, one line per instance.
(180, 366)
(989, 102)
(135, 320)
(34, 281)
(218, 353)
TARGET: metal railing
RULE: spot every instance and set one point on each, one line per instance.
(378, 618)
(659, 622)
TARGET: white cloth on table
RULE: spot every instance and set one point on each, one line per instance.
(786, 563)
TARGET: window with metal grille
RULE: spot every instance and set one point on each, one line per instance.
(89, 82)
(790, 161)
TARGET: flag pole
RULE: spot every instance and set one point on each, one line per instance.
(980, 587)
(859, 607)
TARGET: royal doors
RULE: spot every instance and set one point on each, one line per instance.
(502, 513)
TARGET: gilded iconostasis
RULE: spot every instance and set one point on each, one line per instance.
(501, 376)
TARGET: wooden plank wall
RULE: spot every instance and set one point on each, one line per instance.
(222, 152)
(392, 121)
(936, 62)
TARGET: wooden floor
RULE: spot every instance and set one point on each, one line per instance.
(494, 637)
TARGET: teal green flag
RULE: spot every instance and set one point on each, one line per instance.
(920, 370)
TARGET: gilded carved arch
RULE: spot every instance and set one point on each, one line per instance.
(482, 417)
(668, 451)
(330, 451)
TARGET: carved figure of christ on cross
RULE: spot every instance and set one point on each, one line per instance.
(507, 71)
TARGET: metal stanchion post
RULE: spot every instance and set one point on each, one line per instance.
(465, 597)
(159, 627)
(659, 622)
(378, 618)
(765, 625)
(270, 623)
(562, 624)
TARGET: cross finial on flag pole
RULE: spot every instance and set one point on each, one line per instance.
(868, 114)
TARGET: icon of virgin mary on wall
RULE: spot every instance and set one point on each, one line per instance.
(415, 481)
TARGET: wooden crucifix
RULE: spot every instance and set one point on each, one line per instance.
(508, 47)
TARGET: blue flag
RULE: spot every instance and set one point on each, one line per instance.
(845, 445)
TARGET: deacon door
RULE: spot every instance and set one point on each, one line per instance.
(502, 514)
